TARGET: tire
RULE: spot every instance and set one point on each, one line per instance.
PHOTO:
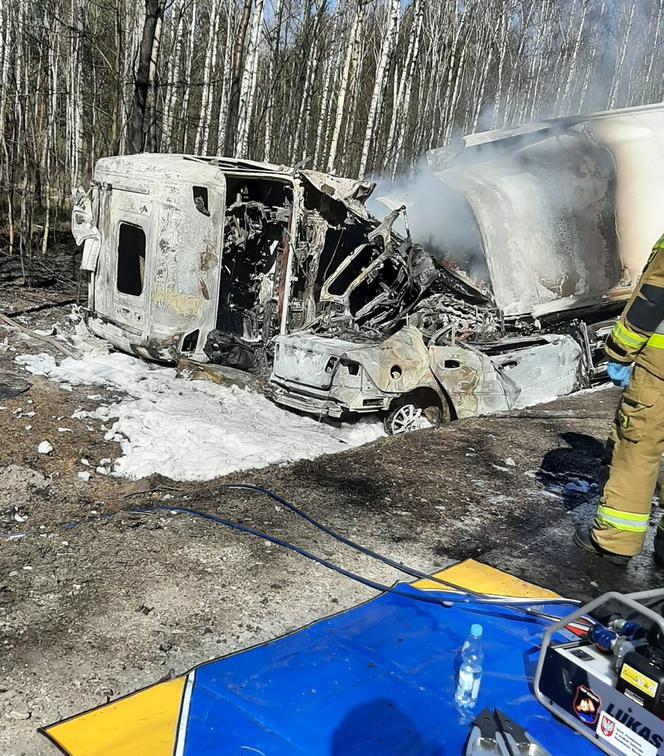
(412, 413)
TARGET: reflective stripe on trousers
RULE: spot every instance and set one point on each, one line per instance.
(630, 522)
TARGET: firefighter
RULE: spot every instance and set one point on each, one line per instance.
(635, 349)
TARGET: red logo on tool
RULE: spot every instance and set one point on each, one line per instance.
(607, 726)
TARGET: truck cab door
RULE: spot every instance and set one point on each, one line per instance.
(126, 257)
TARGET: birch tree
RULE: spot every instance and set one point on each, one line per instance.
(620, 58)
(654, 32)
(378, 93)
(5, 57)
(225, 83)
(351, 55)
(184, 114)
(357, 86)
(208, 79)
(236, 74)
(248, 85)
(271, 89)
(406, 86)
(325, 109)
(173, 75)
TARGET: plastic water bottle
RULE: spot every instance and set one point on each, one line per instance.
(470, 671)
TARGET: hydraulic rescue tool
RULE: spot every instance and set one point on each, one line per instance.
(495, 733)
(606, 679)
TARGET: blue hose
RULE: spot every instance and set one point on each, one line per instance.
(406, 569)
(297, 550)
(415, 596)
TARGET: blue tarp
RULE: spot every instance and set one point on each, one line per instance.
(377, 679)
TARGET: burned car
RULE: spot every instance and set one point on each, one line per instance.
(286, 274)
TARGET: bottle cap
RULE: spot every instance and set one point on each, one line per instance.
(476, 631)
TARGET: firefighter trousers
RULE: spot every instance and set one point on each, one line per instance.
(636, 446)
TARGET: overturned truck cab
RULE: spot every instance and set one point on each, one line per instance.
(284, 273)
(212, 258)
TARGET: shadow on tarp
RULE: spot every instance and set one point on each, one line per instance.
(381, 725)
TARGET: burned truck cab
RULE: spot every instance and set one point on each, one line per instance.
(178, 247)
(212, 258)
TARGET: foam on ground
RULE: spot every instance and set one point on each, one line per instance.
(193, 430)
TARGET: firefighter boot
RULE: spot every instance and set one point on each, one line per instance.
(583, 537)
(658, 553)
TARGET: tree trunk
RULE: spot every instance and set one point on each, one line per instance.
(226, 83)
(482, 87)
(172, 78)
(399, 100)
(351, 53)
(590, 66)
(153, 86)
(269, 108)
(572, 74)
(506, 12)
(453, 68)
(321, 137)
(6, 47)
(208, 77)
(153, 13)
(654, 40)
(348, 161)
(299, 144)
(75, 135)
(50, 137)
(248, 86)
(416, 35)
(130, 52)
(187, 81)
(514, 93)
(236, 73)
(620, 58)
(116, 102)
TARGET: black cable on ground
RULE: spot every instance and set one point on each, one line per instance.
(296, 549)
(418, 596)
(406, 569)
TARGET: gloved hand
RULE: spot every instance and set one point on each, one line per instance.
(619, 373)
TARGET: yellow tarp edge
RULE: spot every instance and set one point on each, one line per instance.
(483, 578)
(144, 722)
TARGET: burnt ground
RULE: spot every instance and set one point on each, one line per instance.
(96, 601)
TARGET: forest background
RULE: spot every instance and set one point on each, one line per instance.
(357, 87)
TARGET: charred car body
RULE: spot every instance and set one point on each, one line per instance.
(285, 273)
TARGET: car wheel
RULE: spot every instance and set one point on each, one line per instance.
(409, 416)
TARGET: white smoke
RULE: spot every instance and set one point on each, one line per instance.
(439, 217)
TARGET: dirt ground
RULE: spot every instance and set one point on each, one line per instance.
(96, 600)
